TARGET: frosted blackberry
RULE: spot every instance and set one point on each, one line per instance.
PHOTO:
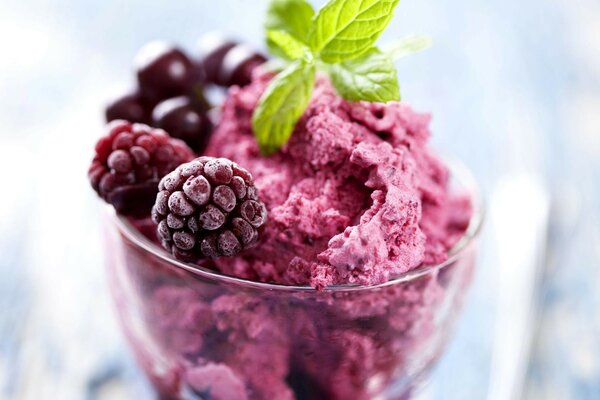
(129, 163)
(208, 208)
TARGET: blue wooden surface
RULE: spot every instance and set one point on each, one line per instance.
(500, 73)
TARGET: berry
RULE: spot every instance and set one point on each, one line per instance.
(129, 163)
(227, 63)
(208, 208)
(185, 120)
(165, 71)
(131, 107)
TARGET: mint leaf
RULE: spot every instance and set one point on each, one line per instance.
(282, 104)
(345, 29)
(406, 46)
(289, 47)
(339, 40)
(371, 77)
(292, 16)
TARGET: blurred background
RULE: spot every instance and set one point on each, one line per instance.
(514, 88)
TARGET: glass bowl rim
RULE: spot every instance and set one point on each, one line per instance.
(457, 170)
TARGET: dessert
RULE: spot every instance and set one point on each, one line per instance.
(356, 195)
(311, 245)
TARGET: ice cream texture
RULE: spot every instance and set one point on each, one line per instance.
(355, 197)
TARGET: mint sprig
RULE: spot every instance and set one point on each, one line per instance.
(345, 29)
(293, 16)
(282, 104)
(287, 45)
(339, 40)
(371, 77)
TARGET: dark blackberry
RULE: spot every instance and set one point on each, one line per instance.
(208, 208)
(227, 63)
(185, 120)
(131, 107)
(129, 163)
(164, 71)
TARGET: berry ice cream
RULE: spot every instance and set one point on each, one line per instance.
(329, 268)
(356, 196)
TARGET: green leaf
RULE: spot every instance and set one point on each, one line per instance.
(345, 29)
(372, 77)
(406, 46)
(292, 16)
(282, 104)
(290, 47)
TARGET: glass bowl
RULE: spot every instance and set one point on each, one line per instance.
(198, 334)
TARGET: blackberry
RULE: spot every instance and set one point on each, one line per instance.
(129, 163)
(227, 63)
(165, 71)
(208, 208)
(185, 120)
